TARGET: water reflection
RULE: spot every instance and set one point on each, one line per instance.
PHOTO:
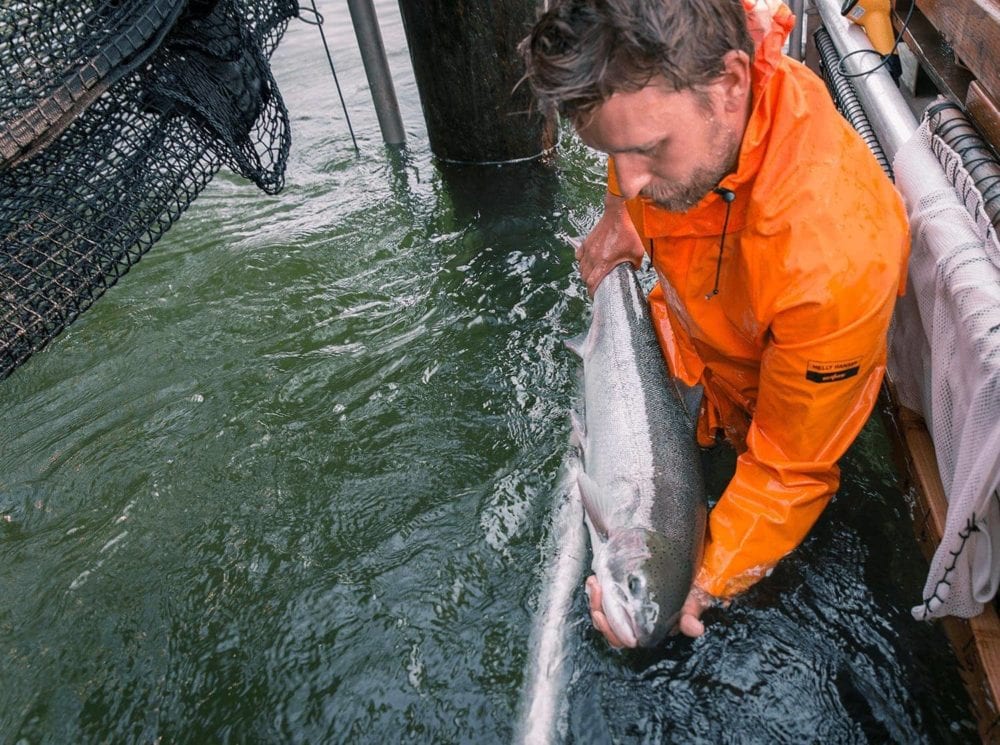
(493, 194)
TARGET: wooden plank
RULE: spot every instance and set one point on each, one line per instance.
(972, 28)
(985, 112)
(976, 641)
(923, 464)
(813, 21)
(936, 58)
(984, 650)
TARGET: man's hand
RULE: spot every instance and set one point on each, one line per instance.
(690, 623)
(613, 240)
(597, 616)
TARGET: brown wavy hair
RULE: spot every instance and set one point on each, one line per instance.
(580, 52)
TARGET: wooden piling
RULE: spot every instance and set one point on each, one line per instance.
(466, 64)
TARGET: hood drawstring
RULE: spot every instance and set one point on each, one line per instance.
(727, 196)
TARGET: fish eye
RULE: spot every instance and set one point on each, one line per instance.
(634, 584)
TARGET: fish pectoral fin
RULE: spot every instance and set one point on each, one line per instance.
(598, 508)
(578, 431)
(577, 344)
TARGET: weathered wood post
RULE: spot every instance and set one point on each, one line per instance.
(466, 64)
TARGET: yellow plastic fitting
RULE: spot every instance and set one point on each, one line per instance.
(874, 17)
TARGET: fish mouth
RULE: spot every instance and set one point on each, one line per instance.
(621, 621)
(660, 631)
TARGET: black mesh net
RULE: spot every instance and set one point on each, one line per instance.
(114, 115)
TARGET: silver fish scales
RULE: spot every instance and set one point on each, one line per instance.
(640, 477)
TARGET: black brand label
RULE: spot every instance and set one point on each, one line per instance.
(831, 372)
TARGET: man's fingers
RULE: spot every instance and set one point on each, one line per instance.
(595, 276)
(691, 625)
(594, 280)
(601, 624)
(597, 617)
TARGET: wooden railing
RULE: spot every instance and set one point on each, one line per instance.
(958, 45)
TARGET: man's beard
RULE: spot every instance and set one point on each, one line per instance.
(675, 197)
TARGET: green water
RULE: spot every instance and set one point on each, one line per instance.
(290, 482)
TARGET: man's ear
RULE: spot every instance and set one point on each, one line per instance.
(734, 82)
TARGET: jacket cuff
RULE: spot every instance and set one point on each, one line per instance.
(725, 588)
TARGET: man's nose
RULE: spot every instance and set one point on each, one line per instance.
(632, 174)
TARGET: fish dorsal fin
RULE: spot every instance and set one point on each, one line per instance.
(595, 503)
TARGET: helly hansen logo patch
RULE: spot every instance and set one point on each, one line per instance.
(831, 372)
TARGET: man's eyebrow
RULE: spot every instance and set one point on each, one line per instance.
(645, 147)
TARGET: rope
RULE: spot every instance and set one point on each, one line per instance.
(317, 21)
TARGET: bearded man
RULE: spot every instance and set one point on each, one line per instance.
(779, 245)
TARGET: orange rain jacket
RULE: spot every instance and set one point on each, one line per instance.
(791, 350)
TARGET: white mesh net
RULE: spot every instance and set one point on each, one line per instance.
(945, 363)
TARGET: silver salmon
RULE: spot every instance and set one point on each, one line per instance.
(640, 477)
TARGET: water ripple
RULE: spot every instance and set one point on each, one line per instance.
(289, 481)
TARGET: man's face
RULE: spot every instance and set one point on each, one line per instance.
(670, 146)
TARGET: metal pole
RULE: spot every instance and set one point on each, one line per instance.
(366, 29)
(847, 99)
(798, 8)
(887, 111)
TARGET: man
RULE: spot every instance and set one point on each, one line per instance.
(779, 245)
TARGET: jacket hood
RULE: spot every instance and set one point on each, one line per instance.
(769, 23)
